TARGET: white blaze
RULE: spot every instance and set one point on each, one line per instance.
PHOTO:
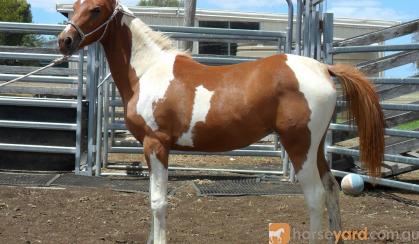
(201, 106)
(67, 28)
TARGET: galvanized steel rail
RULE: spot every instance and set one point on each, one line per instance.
(27, 28)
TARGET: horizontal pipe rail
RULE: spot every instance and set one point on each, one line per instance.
(219, 31)
(382, 181)
(391, 106)
(175, 168)
(56, 29)
(35, 56)
(221, 60)
(41, 79)
(136, 144)
(377, 48)
(223, 38)
(390, 132)
(387, 157)
(395, 81)
(267, 153)
(30, 28)
(34, 102)
(37, 148)
(37, 125)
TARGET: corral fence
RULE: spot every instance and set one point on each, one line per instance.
(98, 121)
(399, 100)
(41, 116)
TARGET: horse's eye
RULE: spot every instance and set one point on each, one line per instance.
(95, 11)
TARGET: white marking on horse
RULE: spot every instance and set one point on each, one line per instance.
(154, 68)
(314, 83)
(158, 198)
(201, 107)
(153, 86)
(67, 28)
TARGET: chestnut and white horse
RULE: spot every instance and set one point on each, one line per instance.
(173, 102)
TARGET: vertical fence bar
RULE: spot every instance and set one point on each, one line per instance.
(298, 27)
(79, 113)
(314, 31)
(328, 59)
(328, 37)
(99, 137)
(288, 46)
(113, 111)
(106, 123)
(99, 117)
(93, 66)
(307, 20)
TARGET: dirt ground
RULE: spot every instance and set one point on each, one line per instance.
(95, 215)
(100, 215)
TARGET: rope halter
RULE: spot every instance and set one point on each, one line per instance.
(105, 24)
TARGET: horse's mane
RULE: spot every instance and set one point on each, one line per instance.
(158, 38)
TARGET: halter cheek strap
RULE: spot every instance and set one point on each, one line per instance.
(83, 36)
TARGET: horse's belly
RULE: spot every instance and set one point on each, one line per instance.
(226, 135)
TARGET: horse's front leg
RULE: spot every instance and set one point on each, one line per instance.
(156, 154)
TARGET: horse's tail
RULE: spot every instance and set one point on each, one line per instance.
(364, 107)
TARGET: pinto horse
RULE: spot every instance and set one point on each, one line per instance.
(173, 102)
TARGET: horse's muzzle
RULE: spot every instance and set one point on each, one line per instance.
(69, 42)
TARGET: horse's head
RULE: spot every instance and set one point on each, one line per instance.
(88, 24)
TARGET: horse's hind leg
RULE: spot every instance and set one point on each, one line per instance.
(332, 192)
(302, 147)
(301, 130)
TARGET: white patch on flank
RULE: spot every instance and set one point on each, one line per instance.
(82, 1)
(153, 66)
(67, 28)
(314, 83)
(201, 106)
(158, 198)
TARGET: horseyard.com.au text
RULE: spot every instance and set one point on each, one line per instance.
(283, 233)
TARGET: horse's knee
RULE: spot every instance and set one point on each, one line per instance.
(158, 205)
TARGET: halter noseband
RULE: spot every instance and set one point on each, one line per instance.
(83, 36)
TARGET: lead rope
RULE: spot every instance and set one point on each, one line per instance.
(63, 59)
(53, 63)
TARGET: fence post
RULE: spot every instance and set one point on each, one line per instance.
(328, 58)
(288, 46)
(79, 112)
(91, 84)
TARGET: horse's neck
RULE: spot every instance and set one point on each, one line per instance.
(133, 46)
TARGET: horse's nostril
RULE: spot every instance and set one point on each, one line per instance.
(68, 41)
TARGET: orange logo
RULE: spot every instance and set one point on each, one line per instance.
(279, 233)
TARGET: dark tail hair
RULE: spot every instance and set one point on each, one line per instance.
(364, 107)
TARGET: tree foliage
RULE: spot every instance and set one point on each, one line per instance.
(161, 3)
(16, 11)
